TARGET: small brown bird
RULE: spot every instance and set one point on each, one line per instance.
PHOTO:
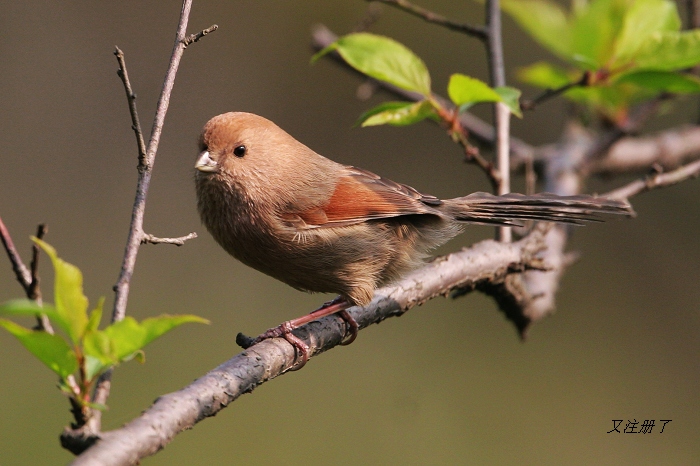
(281, 208)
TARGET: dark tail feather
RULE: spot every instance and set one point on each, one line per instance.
(512, 209)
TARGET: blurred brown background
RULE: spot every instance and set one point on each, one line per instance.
(448, 383)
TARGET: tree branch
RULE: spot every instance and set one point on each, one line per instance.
(656, 180)
(487, 261)
(431, 17)
(668, 149)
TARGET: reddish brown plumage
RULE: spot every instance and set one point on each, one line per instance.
(283, 209)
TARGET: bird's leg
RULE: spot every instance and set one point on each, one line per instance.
(338, 305)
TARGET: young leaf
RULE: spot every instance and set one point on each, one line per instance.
(662, 81)
(52, 350)
(464, 89)
(382, 58)
(26, 307)
(669, 51)
(642, 19)
(594, 31)
(545, 75)
(545, 21)
(70, 303)
(511, 97)
(157, 326)
(95, 315)
(397, 113)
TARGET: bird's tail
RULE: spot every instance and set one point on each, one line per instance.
(513, 209)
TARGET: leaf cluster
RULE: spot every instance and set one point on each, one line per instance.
(621, 51)
(82, 351)
(387, 60)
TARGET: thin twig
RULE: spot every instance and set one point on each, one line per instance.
(136, 233)
(494, 46)
(147, 238)
(27, 278)
(24, 276)
(192, 38)
(34, 291)
(551, 93)
(479, 32)
(131, 98)
(656, 180)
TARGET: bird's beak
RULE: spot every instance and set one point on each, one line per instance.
(205, 163)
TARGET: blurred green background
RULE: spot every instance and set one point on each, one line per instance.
(448, 383)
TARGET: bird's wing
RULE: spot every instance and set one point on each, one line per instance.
(361, 195)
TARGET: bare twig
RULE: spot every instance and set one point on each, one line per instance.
(176, 241)
(131, 98)
(192, 38)
(27, 278)
(494, 46)
(34, 291)
(551, 93)
(136, 233)
(479, 32)
(656, 180)
(24, 276)
(178, 411)
(478, 128)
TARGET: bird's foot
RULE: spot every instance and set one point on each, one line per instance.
(284, 330)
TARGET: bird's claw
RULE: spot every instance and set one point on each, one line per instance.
(283, 330)
(353, 328)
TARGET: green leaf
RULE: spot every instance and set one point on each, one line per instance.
(594, 31)
(511, 97)
(52, 350)
(98, 345)
(464, 89)
(26, 307)
(662, 81)
(545, 21)
(382, 58)
(70, 302)
(642, 19)
(545, 75)
(157, 326)
(95, 315)
(397, 113)
(669, 51)
(94, 367)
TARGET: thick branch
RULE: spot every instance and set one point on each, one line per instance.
(171, 414)
(668, 149)
(431, 17)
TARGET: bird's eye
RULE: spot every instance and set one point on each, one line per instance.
(239, 151)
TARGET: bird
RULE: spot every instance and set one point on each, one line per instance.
(320, 226)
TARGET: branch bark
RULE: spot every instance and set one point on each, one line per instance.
(487, 261)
